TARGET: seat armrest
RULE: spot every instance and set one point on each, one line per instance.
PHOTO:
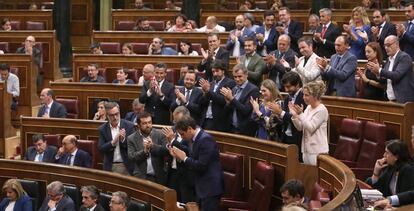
(228, 203)
(362, 173)
(350, 164)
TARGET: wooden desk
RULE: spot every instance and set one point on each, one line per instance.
(50, 49)
(133, 15)
(27, 78)
(146, 37)
(6, 128)
(44, 16)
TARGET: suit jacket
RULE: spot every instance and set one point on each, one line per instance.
(24, 203)
(157, 107)
(106, 148)
(130, 116)
(402, 77)
(404, 181)
(270, 43)
(310, 71)
(221, 118)
(295, 32)
(82, 159)
(256, 68)
(204, 161)
(37, 55)
(388, 29)
(65, 204)
(57, 110)
(222, 54)
(193, 104)
(278, 70)
(407, 41)
(97, 208)
(406, 197)
(327, 49)
(244, 109)
(287, 121)
(137, 155)
(230, 44)
(342, 75)
(48, 155)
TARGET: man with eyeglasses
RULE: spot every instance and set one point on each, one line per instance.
(29, 48)
(56, 199)
(398, 70)
(119, 201)
(90, 196)
(41, 151)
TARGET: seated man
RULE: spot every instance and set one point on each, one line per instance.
(57, 199)
(12, 82)
(41, 151)
(157, 48)
(137, 108)
(96, 49)
(211, 26)
(90, 195)
(50, 108)
(119, 201)
(293, 191)
(69, 154)
(142, 24)
(170, 5)
(29, 48)
(93, 76)
(139, 5)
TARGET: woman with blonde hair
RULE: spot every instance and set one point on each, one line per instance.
(16, 198)
(101, 113)
(313, 122)
(264, 117)
(359, 31)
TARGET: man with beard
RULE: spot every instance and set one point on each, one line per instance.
(41, 151)
(382, 29)
(253, 62)
(266, 34)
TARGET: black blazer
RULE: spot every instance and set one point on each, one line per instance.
(221, 118)
(406, 197)
(327, 49)
(287, 120)
(106, 148)
(222, 54)
(130, 116)
(159, 109)
(97, 208)
(407, 41)
(193, 104)
(65, 204)
(37, 55)
(82, 159)
(48, 156)
(278, 69)
(57, 110)
(244, 109)
(388, 29)
(295, 32)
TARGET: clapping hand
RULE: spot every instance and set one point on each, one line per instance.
(169, 133)
(294, 109)
(255, 104)
(322, 63)
(227, 93)
(205, 85)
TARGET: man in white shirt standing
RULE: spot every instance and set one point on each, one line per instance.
(12, 82)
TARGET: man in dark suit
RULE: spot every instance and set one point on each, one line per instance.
(293, 192)
(157, 95)
(326, 34)
(398, 70)
(50, 108)
(214, 117)
(41, 151)
(137, 108)
(57, 199)
(238, 102)
(280, 61)
(382, 29)
(293, 86)
(253, 62)
(266, 34)
(113, 141)
(400, 199)
(29, 48)
(214, 52)
(406, 32)
(235, 42)
(146, 149)
(340, 73)
(90, 195)
(69, 154)
(289, 27)
(189, 96)
(203, 160)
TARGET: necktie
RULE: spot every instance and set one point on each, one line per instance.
(187, 95)
(190, 146)
(410, 26)
(323, 31)
(46, 109)
(69, 159)
(41, 157)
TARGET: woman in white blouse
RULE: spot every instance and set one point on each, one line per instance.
(313, 122)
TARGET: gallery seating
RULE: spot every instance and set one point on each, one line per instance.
(232, 165)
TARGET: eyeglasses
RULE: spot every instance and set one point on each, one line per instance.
(389, 44)
(30, 41)
(115, 202)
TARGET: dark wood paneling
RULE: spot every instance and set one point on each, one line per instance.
(6, 128)
(44, 16)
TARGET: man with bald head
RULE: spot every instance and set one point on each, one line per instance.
(69, 153)
(211, 26)
(397, 70)
(49, 107)
(280, 61)
(147, 74)
(235, 42)
(29, 49)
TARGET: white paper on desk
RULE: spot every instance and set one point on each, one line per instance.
(371, 194)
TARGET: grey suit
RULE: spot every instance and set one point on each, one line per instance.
(341, 75)
(137, 155)
(256, 67)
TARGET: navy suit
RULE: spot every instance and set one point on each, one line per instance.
(270, 43)
(48, 155)
(407, 41)
(295, 32)
(222, 54)
(131, 116)
(221, 120)
(327, 49)
(24, 203)
(57, 110)
(245, 33)
(402, 77)
(243, 107)
(65, 204)
(341, 75)
(388, 29)
(106, 148)
(205, 163)
(278, 70)
(157, 107)
(82, 159)
(193, 104)
(97, 208)
(406, 197)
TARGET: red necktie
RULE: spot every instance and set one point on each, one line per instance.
(323, 31)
